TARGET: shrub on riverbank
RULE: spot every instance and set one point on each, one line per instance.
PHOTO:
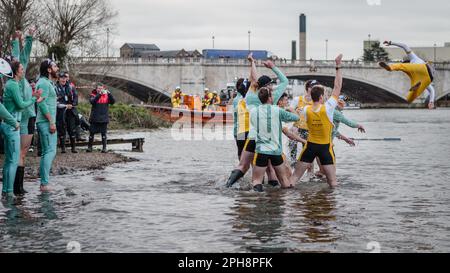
(124, 116)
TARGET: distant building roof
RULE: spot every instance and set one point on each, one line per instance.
(170, 54)
(142, 47)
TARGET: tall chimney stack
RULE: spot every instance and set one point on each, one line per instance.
(294, 51)
(302, 52)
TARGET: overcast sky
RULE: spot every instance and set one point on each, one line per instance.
(190, 24)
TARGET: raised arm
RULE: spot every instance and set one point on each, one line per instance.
(406, 48)
(338, 80)
(15, 48)
(26, 52)
(111, 99)
(253, 71)
(94, 98)
(284, 82)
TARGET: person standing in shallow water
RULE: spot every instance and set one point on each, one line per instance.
(319, 118)
(28, 115)
(15, 104)
(100, 99)
(46, 119)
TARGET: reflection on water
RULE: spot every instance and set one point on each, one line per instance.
(173, 199)
(260, 218)
(318, 212)
(282, 222)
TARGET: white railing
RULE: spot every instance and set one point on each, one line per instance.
(225, 61)
(221, 61)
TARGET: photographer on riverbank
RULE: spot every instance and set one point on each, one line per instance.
(100, 99)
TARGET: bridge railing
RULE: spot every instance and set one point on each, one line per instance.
(203, 61)
(225, 61)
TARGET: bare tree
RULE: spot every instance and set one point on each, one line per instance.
(70, 23)
(15, 15)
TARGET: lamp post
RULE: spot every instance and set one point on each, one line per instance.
(249, 37)
(435, 52)
(107, 42)
(213, 38)
(326, 50)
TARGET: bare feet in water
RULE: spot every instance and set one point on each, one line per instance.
(320, 175)
(45, 188)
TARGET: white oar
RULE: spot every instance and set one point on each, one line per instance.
(376, 139)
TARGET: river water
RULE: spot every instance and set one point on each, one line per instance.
(393, 197)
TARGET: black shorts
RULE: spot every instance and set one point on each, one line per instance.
(240, 143)
(262, 160)
(31, 126)
(250, 146)
(325, 153)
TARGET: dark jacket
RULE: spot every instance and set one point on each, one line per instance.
(66, 94)
(100, 107)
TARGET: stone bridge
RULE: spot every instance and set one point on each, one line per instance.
(153, 80)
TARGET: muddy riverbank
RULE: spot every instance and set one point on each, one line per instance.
(69, 163)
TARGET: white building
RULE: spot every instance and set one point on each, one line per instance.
(430, 54)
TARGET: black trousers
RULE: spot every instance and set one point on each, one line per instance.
(68, 125)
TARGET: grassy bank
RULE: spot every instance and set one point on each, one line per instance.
(127, 117)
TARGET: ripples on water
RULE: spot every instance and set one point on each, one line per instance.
(173, 200)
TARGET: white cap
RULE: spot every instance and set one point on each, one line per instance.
(207, 89)
(178, 88)
(5, 68)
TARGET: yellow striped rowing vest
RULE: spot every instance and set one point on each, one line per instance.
(319, 126)
(302, 103)
(243, 117)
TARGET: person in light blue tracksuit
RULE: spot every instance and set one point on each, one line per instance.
(252, 101)
(28, 120)
(14, 103)
(46, 119)
(266, 127)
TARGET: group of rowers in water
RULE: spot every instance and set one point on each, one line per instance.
(261, 108)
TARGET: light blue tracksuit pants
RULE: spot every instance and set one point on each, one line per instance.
(48, 144)
(12, 153)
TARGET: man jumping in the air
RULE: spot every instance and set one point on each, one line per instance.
(419, 71)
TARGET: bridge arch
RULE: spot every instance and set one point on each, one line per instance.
(446, 93)
(359, 89)
(138, 89)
